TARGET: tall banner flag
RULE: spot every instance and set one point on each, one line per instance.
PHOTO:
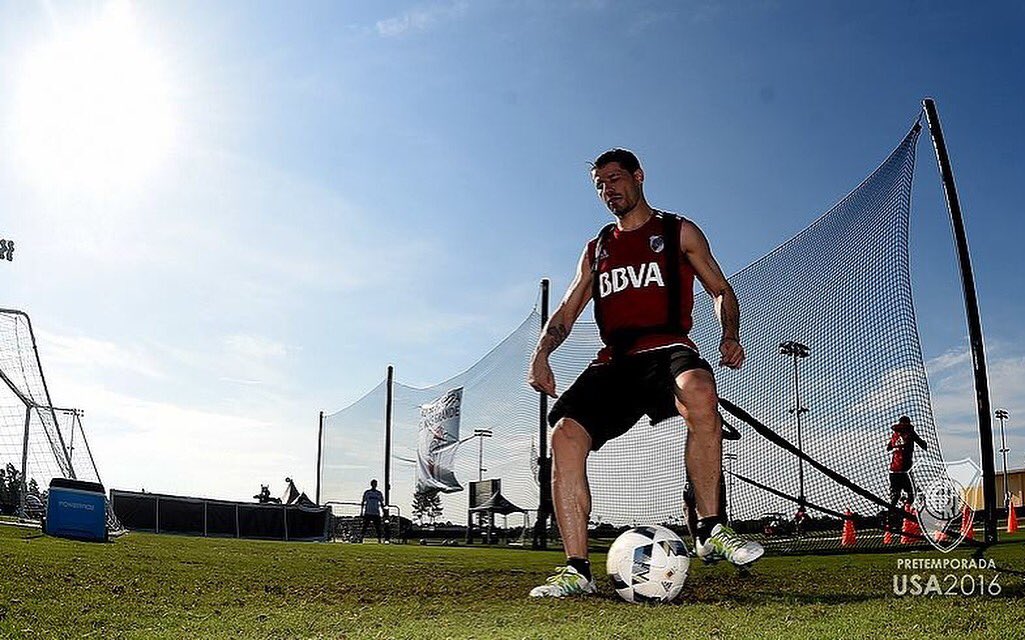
(437, 443)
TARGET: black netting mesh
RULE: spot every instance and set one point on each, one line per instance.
(842, 287)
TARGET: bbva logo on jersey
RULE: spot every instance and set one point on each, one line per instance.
(628, 277)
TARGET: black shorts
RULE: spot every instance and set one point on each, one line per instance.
(608, 399)
(900, 483)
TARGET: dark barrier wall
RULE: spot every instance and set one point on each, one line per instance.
(161, 513)
(220, 519)
(181, 516)
(262, 521)
(136, 511)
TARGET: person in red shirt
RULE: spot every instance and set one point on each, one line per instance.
(640, 272)
(800, 519)
(902, 444)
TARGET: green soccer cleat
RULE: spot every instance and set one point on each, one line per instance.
(567, 581)
(725, 544)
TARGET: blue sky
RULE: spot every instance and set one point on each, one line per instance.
(319, 190)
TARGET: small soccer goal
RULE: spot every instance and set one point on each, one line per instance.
(38, 441)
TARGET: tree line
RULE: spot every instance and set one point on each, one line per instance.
(10, 489)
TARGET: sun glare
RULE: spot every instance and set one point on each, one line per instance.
(93, 110)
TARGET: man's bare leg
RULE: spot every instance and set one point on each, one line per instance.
(571, 497)
(697, 401)
(571, 494)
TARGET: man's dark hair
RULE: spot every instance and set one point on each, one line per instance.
(624, 157)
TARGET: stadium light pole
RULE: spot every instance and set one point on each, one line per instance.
(797, 351)
(480, 434)
(1001, 415)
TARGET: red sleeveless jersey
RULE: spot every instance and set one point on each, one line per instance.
(631, 287)
(903, 444)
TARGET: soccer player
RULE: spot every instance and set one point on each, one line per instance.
(640, 273)
(370, 510)
(902, 444)
(800, 519)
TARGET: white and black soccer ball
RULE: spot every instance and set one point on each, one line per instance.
(648, 564)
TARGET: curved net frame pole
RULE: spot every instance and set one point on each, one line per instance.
(544, 463)
(971, 303)
(49, 403)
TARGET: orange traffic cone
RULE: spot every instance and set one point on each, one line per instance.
(1012, 517)
(966, 523)
(910, 532)
(847, 539)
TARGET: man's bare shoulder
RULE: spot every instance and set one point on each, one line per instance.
(691, 235)
(685, 222)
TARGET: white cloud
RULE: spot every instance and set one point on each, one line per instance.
(169, 447)
(953, 399)
(420, 18)
(174, 419)
(255, 347)
(62, 351)
(240, 234)
(888, 395)
(952, 358)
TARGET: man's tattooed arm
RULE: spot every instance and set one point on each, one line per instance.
(555, 334)
(561, 321)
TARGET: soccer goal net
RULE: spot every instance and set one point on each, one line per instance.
(833, 359)
(38, 441)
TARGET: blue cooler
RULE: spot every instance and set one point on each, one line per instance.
(76, 509)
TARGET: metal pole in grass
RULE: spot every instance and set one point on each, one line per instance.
(971, 302)
(387, 437)
(544, 467)
(731, 458)
(24, 464)
(320, 442)
(1002, 415)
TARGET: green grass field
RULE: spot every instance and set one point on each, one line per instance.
(149, 586)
